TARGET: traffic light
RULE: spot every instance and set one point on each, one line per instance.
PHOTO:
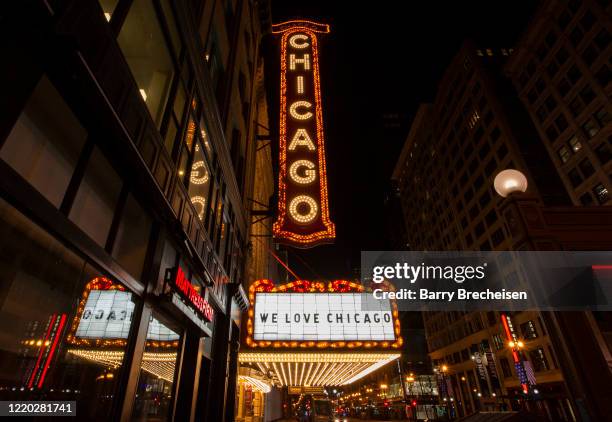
(414, 403)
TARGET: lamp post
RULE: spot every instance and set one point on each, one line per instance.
(574, 335)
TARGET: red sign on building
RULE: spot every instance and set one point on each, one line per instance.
(184, 286)
(303, 211)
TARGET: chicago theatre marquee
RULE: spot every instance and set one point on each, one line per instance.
(319, 333)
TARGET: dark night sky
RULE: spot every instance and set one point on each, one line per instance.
(381, 58)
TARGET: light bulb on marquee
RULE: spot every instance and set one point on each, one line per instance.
(303, 210)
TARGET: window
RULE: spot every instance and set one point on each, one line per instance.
(587, 94)
(602, 117)
(538, 360)
(587, 21)
(552, 133)
(563, 87)
(132, 237)
(586, 199)
(575, 178)
(603, 75)
(498, 341)
(561, 123)
(561, 56)
(602, 39)
(505, 366)
(498, 237)
(42, 324)
(564, 153)
(528, 330)
(491, 217)
(586, 168)
(502, 151)
(575, 143)
(576, 106)
(495, 133)
(155, 383)
(603, 153)
(145, 50)
(589, 55)
(45, 143)
(576, 35)
(573, 74)
(552, 68)
(590, 128)
(96, 199)
(564, 19)
(601, 193)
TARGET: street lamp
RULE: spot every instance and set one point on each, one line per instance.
(509, 181)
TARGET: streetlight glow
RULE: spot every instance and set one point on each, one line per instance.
(509, 181)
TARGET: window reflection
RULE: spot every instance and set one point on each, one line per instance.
(156, 379)
(144, 47)
(64, 326)
(199, 182)
(45, 142)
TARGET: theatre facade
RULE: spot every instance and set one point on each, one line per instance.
(122, 224)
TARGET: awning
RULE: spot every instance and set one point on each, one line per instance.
(317, 369)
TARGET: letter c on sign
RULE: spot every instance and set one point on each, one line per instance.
(299, 41)
(293, 110)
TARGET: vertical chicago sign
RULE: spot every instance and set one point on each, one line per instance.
(303, 212)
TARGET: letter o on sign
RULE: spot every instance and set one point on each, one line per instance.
(303, 209)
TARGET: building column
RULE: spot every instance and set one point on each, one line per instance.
(232, 380)
(217, 387)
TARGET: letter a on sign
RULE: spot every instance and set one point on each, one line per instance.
(303, 211)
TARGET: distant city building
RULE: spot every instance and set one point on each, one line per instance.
(562, 69)
(444, 177)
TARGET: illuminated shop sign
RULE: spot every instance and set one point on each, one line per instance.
(303, 212)
(187, 291)
(318, 314)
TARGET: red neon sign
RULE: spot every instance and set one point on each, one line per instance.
(186, 288)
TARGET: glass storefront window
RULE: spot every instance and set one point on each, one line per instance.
(96, 200)
(156, 379)
(142, 41)
(64, 326)
(45, 143)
